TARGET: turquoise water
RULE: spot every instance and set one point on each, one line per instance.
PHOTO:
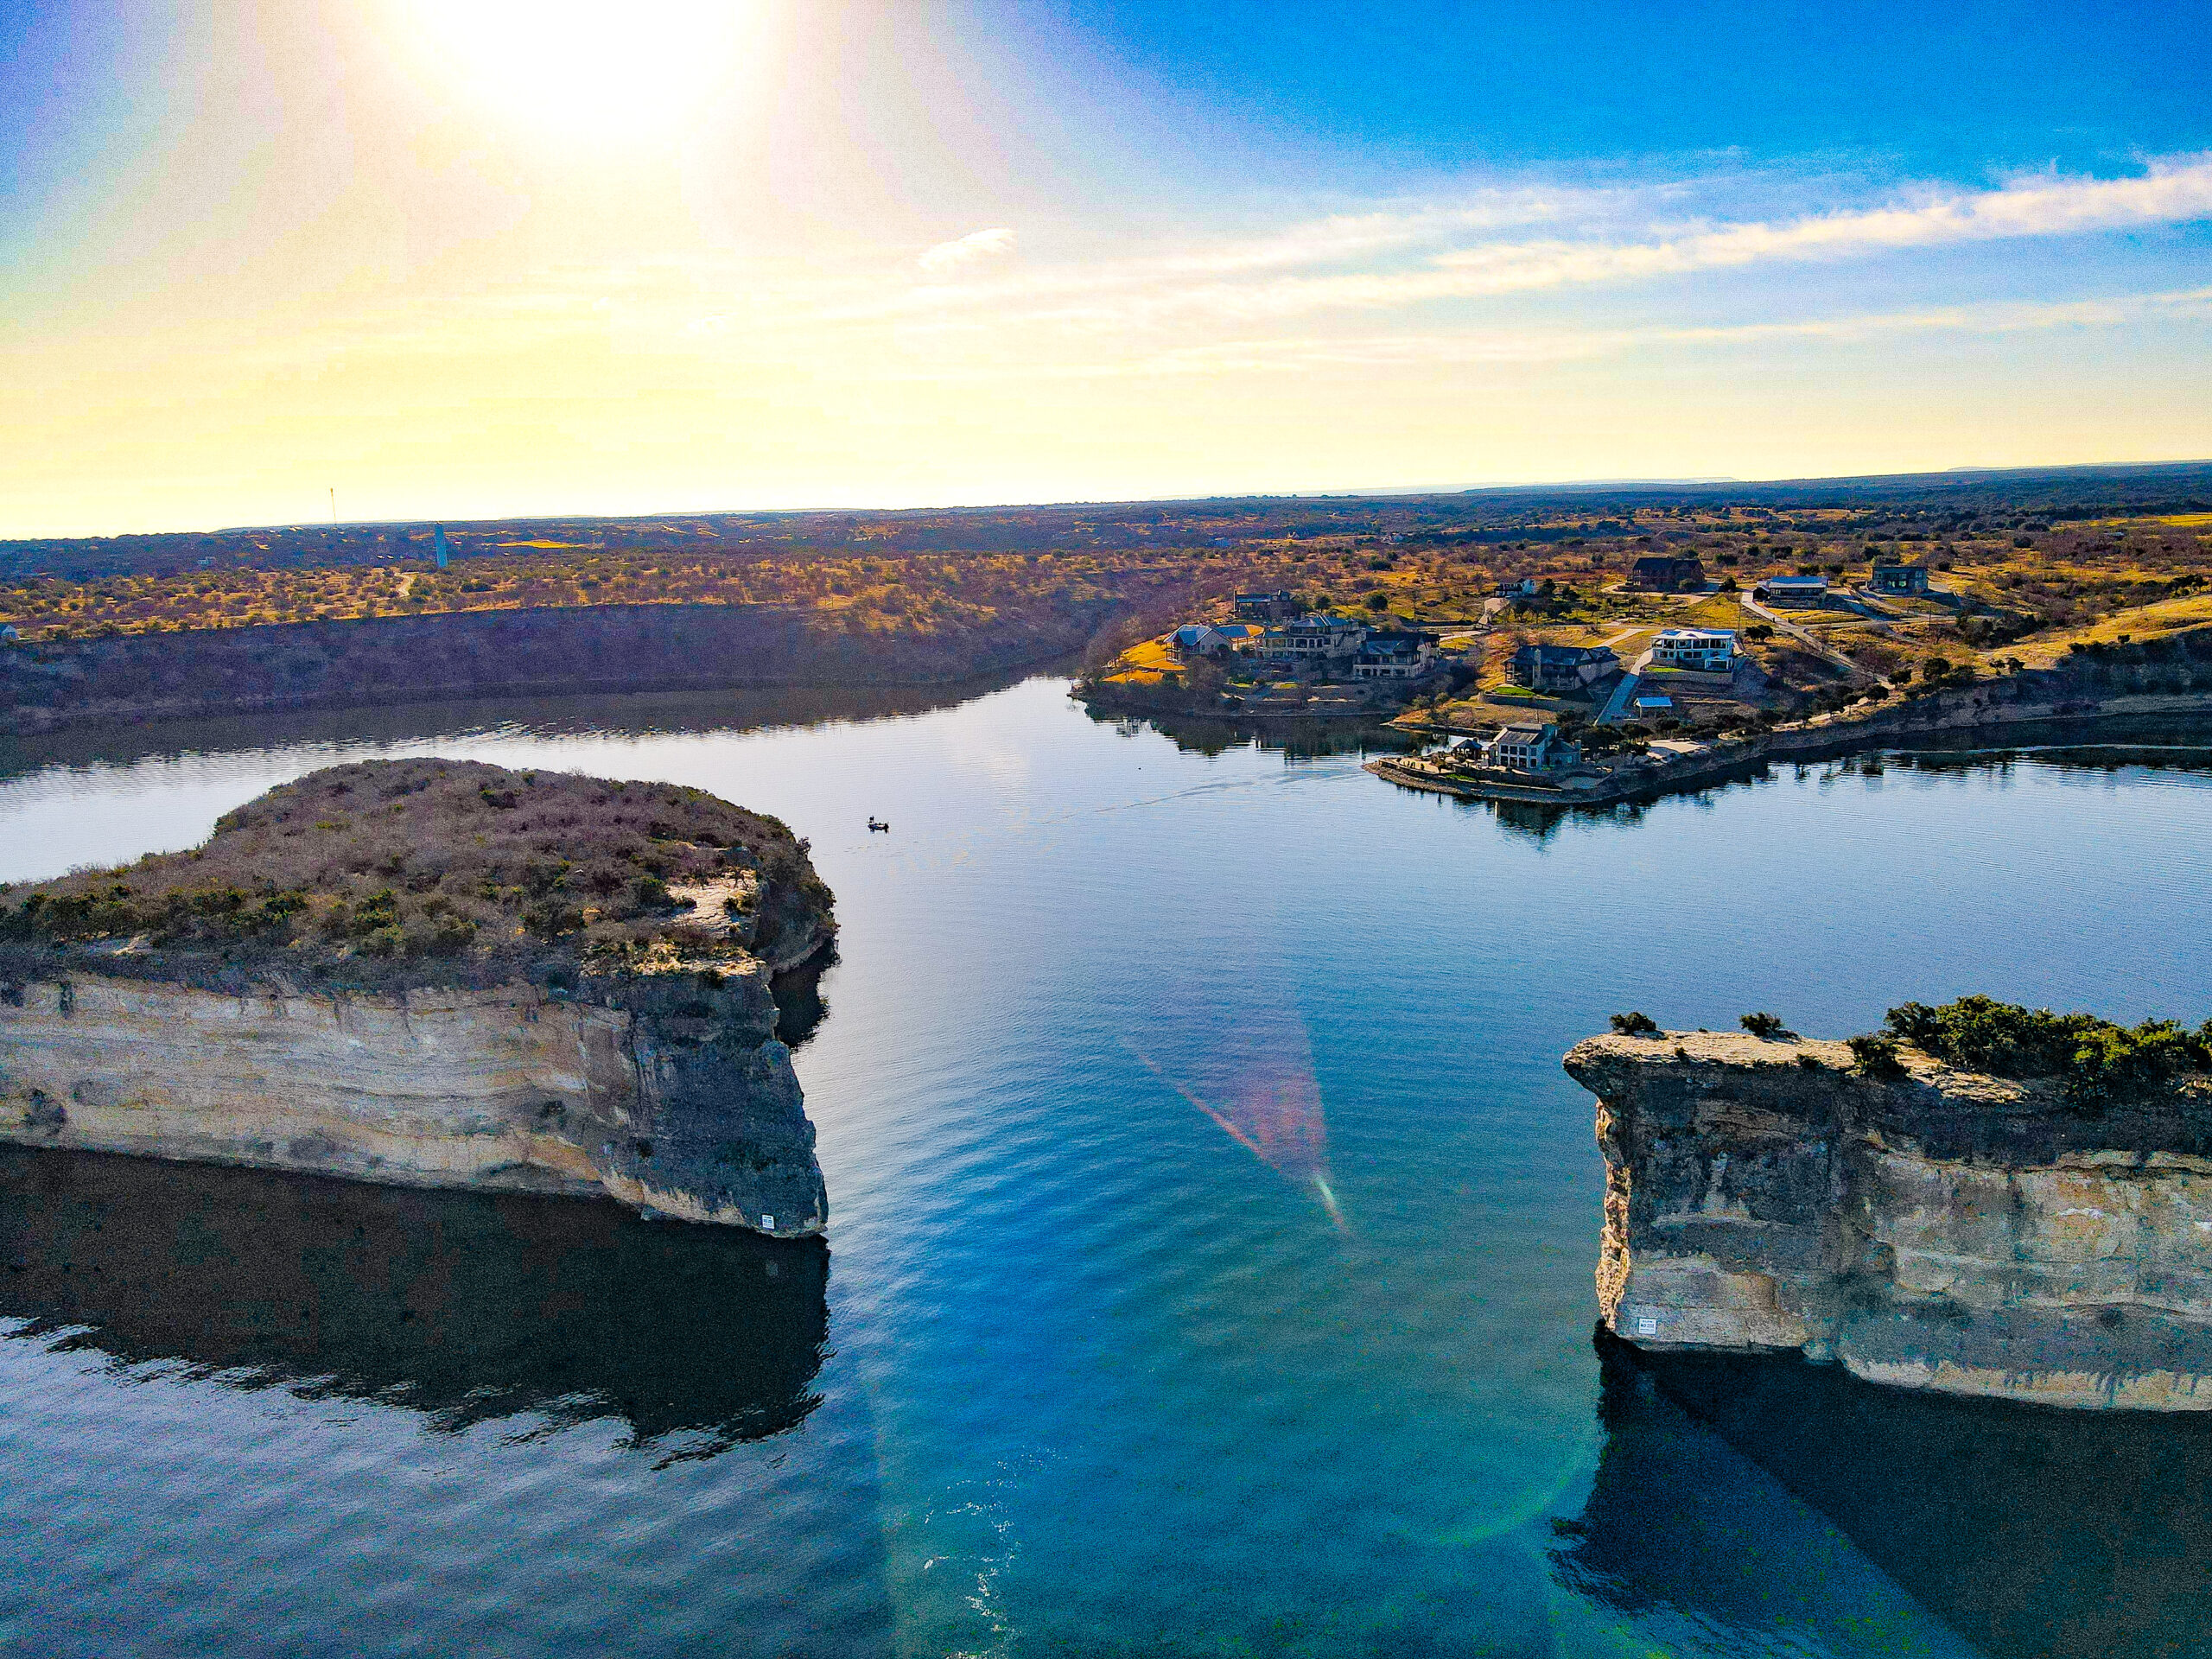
(1211, 1247)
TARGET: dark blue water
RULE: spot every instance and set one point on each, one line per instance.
(1210, 1264)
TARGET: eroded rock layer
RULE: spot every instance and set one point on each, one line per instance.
(1939, 1230)
(669, 1092)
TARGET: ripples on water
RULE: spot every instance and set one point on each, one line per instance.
(1211, 1259)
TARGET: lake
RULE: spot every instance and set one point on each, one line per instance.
(1211, 1247)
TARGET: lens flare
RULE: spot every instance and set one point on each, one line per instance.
(585, 65)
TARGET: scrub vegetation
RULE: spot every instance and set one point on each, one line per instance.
(2093, 1059)
(416, 871)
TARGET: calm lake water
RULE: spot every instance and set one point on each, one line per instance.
(1210, 1261)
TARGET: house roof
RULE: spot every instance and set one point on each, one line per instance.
(1796, 583)
(1564, 656)
(1526, 731)
(1715, 636)
(1655, 700)
(1191, 633)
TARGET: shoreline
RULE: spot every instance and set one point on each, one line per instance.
(1828, 743)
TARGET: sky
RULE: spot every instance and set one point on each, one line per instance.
(455, 259)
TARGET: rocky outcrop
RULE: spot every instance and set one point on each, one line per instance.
(436, 973)
(667, 1091)
(1938, 1230)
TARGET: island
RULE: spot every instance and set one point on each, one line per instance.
(436, 973)
(1981, 1200)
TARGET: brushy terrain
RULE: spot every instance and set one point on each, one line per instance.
(2094, 1060)
(388, 873)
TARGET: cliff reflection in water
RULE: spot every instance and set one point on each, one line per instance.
(467, 1307)
(2028, 1530)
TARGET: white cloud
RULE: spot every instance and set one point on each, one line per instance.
(1301, 355)
(1413, 254)
(970, 250)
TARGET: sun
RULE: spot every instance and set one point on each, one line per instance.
(586, 65)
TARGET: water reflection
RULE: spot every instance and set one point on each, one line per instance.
(2029, 1531)
(1296, 740)
(464, 1307)
(644, 714)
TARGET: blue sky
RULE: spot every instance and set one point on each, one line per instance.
(474, 256)
(1945, 91)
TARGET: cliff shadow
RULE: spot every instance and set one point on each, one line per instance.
(2027, 1530)
(466, 1308)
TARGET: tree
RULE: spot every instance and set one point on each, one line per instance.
(1636, 1024)
(1763, 1025)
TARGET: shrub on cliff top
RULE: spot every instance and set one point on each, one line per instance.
(2094, 1059)
(1634, 1024)
(1763, 1025)
(1876, 1056)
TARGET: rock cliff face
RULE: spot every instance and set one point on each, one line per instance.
(672, 1095)
(1939, 1229)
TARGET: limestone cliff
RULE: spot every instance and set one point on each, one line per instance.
(1935, 1228)
(556, 985)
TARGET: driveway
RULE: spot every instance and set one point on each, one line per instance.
(1805, 637)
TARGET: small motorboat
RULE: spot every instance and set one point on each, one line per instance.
(878, 823)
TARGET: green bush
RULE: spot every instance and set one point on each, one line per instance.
(1762, 1025)
(1634, 1024)
(2093, 1059)
(1877, 1056)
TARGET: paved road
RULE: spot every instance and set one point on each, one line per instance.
(1805, 637)
(1617, 704)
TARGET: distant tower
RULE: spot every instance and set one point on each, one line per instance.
(438, 546)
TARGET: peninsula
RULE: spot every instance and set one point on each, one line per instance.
(1983, 1200)
(436, 973)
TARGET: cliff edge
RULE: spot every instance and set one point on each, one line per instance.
(1925, 1225)
(436, 973)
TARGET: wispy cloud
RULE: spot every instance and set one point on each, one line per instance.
(1298, 354)
(972, 249)
(1422, 254)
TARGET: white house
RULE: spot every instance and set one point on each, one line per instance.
(1707, 651)
(1197, 639)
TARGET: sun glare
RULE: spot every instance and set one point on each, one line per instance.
(585, 64)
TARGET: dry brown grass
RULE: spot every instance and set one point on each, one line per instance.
(438, 870)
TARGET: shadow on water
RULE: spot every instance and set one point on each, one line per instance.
(643, 714)
(800, 1006)
(2028, 1530)
(467, 1307)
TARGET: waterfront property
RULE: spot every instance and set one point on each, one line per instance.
(1898, 578)
(1665, 574)
(1311, 641)
(1198, 640)
(1705, 650)
(1530, 745)
(1195, 639)
(1395, 654)
(1794, 592)
(1561, 668)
